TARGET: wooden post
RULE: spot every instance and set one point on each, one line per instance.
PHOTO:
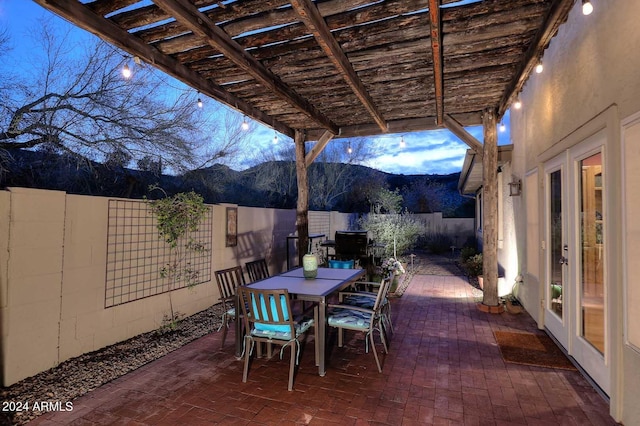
(302, 207)
(490, 211)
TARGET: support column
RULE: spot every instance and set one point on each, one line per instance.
(490, 213)
(302, 207)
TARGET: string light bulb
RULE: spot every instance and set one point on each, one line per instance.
(587, 7)
(349, 149)
(245, 124)
(402, 143)
(517, 104)
(275, 138)
(502, 127)
(199, 101)
(126, 71)
(539, 67)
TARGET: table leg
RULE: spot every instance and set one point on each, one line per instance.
(238, 325)
(322, 335)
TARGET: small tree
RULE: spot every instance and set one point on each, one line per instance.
(389, 225)
(178, 217)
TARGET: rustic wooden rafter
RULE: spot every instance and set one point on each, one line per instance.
(353, 67)
(199, 24)
(436, 49)
(85, 18)
(310, 15)
(457, 129)
(557, 15)
(318, 147)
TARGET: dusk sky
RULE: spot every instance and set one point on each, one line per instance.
(432, 152)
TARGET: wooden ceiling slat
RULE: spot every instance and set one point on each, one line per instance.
(83, 17)
(349, 64)
(435, 23)
(200, 25)
(316, 24)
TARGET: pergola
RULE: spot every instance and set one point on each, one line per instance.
(342, 68)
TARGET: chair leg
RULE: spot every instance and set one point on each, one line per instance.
(382, 336)
(387, 314)
(247, 352)
(292, 365)
(375, 352)
(340, 337)
(224, 333)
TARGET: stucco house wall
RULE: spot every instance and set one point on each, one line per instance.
(590, 84)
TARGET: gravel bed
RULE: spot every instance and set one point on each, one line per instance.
(77, 376)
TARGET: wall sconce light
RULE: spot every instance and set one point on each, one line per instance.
(515, 188)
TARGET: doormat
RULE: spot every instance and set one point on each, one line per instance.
(531, 349)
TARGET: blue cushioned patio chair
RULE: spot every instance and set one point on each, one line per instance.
(350, 317)
(257, 270)
(228, 282)
(364, 295)
(268, 319)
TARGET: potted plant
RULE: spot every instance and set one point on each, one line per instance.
(473, 266)
(394, 267)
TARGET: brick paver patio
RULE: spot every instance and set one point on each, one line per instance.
(444, 367)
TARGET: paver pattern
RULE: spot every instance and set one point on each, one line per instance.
(444, 368)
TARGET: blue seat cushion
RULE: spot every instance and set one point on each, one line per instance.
(366, 302)
(348, 318)
(263, 310)
(341, 264)
(300, 328)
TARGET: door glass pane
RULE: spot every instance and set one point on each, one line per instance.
(556, 243)
(592, 251)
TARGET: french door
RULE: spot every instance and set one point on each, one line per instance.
(575, 244)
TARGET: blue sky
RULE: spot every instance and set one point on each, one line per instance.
(431, 152)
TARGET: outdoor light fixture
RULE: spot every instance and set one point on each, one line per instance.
(587, 7)
(199, 101)
(245, 124)
(402, 143)
(515, 188)
(517, 104)
(539, 67)
(126, 71)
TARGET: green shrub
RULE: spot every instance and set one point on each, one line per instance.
(438, 243)
(473, 265)
(399, 228)
(466, 253)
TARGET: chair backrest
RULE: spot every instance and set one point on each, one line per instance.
(385, 284)
(351, 245)
(266, 310)
(257, 270)
(342, 264)
(229, 280)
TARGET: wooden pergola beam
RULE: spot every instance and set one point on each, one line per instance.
(302, 206)
(198, 23)
(466, 137)
(556, 16)
(490, 210)
(81, 16)
(313, 20)
(436, 49)
(318, 147)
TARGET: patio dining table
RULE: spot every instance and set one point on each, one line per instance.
(316, 290)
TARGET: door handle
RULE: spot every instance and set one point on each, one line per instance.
(564, 260)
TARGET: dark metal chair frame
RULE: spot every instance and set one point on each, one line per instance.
(257, 270)
(229, 280)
